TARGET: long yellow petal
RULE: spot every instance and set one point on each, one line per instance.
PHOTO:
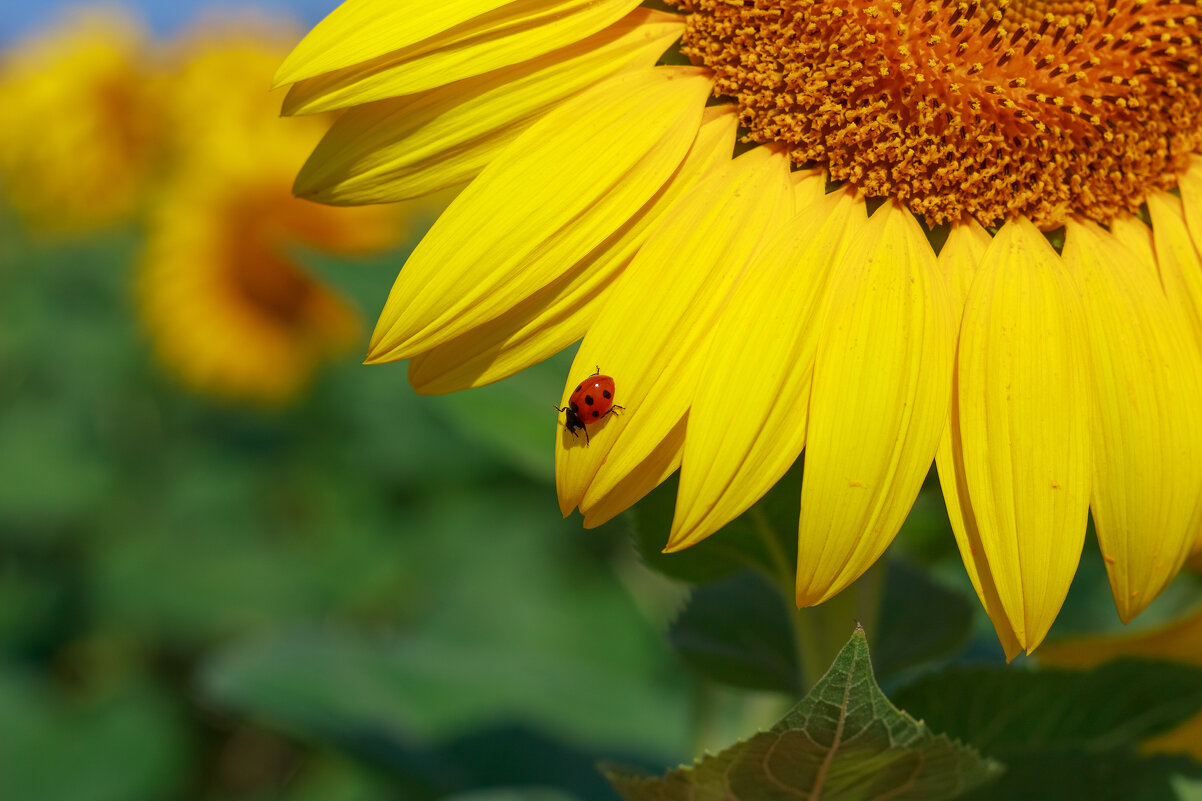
(671, 392)
(1024, 413)
(407, 147)
(809, 186)
(747, 425)
(1177, 258)
(1136, 237)
(882, 379)
(550, 320)
(1177, 641)
(1147, 378)
(653, 331)
(960, 260)
(360, 30)
(557, 192)
(517, 32)
(1190, 184)
(663, 461)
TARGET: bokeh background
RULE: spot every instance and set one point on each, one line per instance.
(237, 564)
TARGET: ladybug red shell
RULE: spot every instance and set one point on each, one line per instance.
(592, 400)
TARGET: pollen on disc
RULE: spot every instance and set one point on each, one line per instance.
(997, 109)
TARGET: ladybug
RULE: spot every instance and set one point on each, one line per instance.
(592, 400)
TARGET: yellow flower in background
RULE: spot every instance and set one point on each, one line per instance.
(746, 313)
(1176, 641)
(79, 123)
(229, 307)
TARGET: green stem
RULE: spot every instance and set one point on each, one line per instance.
(765, 531)
(820, 632)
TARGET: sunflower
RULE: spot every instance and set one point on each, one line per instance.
(788, 299)
(228, 306)
(79, 123)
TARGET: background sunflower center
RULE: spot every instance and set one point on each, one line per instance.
(1039, 109)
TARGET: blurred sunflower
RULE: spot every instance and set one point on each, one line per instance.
(79, 123)
(228, 306)
(748, 313)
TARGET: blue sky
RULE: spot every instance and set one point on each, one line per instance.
(163, 16)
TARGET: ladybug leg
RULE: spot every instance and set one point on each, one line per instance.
(598, 371)
(614, 411)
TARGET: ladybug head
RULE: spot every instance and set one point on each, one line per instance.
(572, 421)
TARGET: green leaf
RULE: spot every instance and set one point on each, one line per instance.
(999, 709)
(737, 632)
(920, 620)
(513, 794)
(125, 745)
(1066, 774)
(844, 742)
(357, 692)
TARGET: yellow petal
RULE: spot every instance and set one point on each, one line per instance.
(1177, 259)
(1184, 739)
(809, 186)
(407, 147)
(747, 424)
(360, 30)
(550, 320)
(650, 473)
(1177, 641)
(1136, 237)
(1023, 405)
(960, 260)
(557, 192)
(656, 325)
(516, 32)
(1147, 378)
(1190, 184)
(882, 381)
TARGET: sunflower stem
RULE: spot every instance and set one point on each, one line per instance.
(819, 632)
(822, 630)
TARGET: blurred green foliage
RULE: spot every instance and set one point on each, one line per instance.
(371, 594)
(195, 598)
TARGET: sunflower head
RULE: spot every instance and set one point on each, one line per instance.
(228, 304)
(994, 109)
(787, 302)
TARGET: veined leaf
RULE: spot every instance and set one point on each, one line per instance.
(844, 742)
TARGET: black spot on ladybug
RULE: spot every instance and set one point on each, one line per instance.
(588, 399)
(596, 414)
(606, 394)
(579, 387)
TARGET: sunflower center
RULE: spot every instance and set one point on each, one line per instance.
(1037, 108)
